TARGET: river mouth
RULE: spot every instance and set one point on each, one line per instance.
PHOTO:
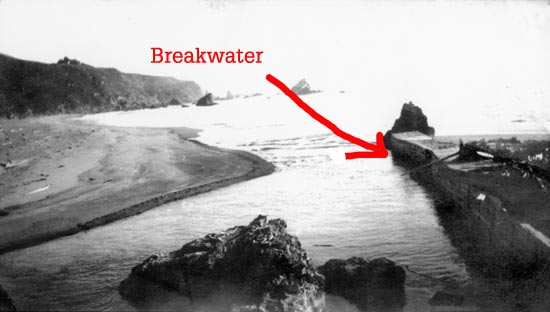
(83, 271)
(364, 208)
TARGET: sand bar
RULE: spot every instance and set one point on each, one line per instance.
(59, 176)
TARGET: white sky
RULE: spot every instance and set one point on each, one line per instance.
(429, 51)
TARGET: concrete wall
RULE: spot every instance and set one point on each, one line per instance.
(501, 237)
(410, 151)
(500, 234)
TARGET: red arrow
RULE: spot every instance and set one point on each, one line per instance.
(377, 150)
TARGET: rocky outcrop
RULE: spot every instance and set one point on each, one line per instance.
(206, 100)
(411, 119)
(260, 262)
(376, 285)
(303, 88)
(6, 303)
(260, 267)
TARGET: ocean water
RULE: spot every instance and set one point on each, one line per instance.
(337, 208)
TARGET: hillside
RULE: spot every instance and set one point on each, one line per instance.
(32, 88)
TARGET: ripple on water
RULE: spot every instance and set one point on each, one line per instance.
(360, 208)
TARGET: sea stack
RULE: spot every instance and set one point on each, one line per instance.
(411, 119)
(303, 88)
(206, 100)
(261, 265)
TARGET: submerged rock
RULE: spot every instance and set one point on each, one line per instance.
(376, 285)
(446, 298)
(411, 119)
(6, 303)
(206, 100)
(262, 266)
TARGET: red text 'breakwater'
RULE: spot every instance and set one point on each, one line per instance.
(203, 56)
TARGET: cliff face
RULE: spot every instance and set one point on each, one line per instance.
(411, 119)
(32, 88)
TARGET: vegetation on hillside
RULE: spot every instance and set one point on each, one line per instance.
(32, 88)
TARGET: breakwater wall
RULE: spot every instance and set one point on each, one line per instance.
(503, 238)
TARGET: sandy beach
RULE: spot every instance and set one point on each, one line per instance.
(59, 176)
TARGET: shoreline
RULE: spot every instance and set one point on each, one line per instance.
(111, 173)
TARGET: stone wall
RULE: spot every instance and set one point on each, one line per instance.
(499, 233)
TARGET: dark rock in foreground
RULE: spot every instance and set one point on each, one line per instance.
(411, 119)
(263, 266)
(6, 303)
(206, 100)
(376, 285)
(260, 267)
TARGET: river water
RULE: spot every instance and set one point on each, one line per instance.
(337, 208)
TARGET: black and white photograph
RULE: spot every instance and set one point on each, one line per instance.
(275, 156)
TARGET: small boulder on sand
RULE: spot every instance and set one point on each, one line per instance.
(260, 267)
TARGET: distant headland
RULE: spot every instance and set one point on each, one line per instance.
(31, 88)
